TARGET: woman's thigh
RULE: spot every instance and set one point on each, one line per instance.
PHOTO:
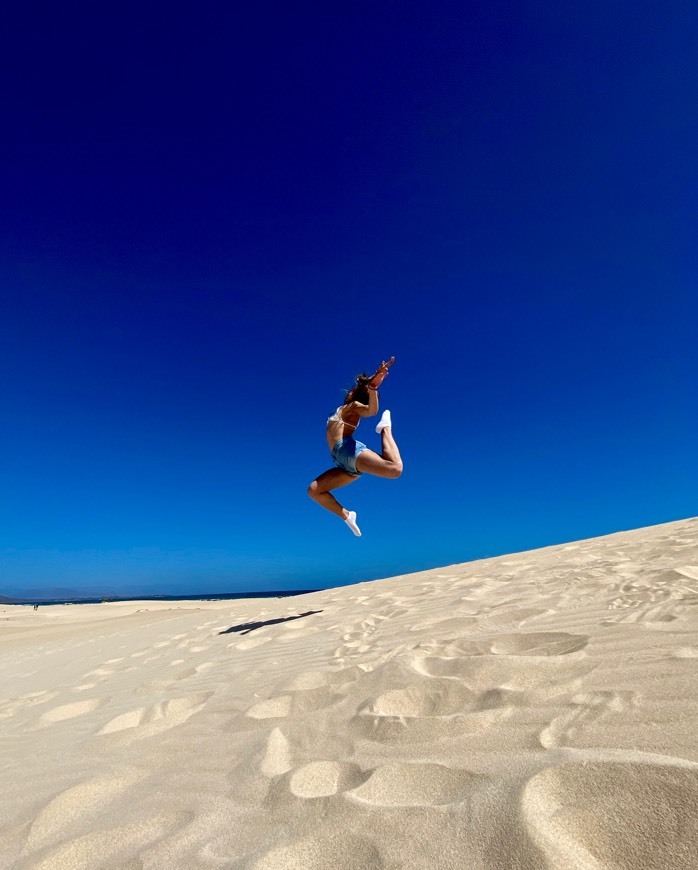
(369, 462)
(333, 479)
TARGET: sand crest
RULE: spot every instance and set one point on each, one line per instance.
(537, 710)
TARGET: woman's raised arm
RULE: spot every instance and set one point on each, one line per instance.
(381, 373)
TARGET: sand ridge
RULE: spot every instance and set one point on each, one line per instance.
(536, 710)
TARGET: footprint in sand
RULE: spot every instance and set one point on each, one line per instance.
(99, 672)
(71, 711)
(412, 784)
(145, 722)
(690, 571)
(380, 728)
(325, 778)
(432, 707)
(277, 758)
(615, 813)
(336, 679)
(685, 652)
(301, 701)
(77, 807)
(114, 845)
(540, 644)
(545, 643)
(10, 707)
(585, 709)
(433, 697)
(191, 672)
(83, 687)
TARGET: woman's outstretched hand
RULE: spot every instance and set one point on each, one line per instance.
(382, 373)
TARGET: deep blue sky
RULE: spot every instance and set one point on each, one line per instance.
(211, 219)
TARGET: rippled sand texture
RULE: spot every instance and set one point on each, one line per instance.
(533, 711)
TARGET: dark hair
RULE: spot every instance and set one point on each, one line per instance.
(359, 392)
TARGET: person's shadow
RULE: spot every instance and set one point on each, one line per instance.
(247, 627)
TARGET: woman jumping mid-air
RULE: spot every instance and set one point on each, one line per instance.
(351, 457)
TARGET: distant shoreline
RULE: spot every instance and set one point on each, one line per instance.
(212, 596)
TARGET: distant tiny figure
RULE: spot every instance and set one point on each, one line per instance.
(352, 457)
(36, 607)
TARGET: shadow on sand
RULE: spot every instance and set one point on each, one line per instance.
(247, 627)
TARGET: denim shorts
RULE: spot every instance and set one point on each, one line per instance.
(344, 454)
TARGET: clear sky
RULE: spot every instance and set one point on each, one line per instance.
(211, 219)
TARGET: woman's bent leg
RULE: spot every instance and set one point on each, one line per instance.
(319, 490)
(389, 464)
(390, 449)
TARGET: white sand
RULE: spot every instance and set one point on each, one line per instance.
(532, 711)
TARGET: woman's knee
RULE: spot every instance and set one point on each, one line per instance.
(313, 489)
(395, 470)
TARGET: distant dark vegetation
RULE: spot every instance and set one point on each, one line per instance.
(214, 596)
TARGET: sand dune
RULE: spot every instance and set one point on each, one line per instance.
(538, 710)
